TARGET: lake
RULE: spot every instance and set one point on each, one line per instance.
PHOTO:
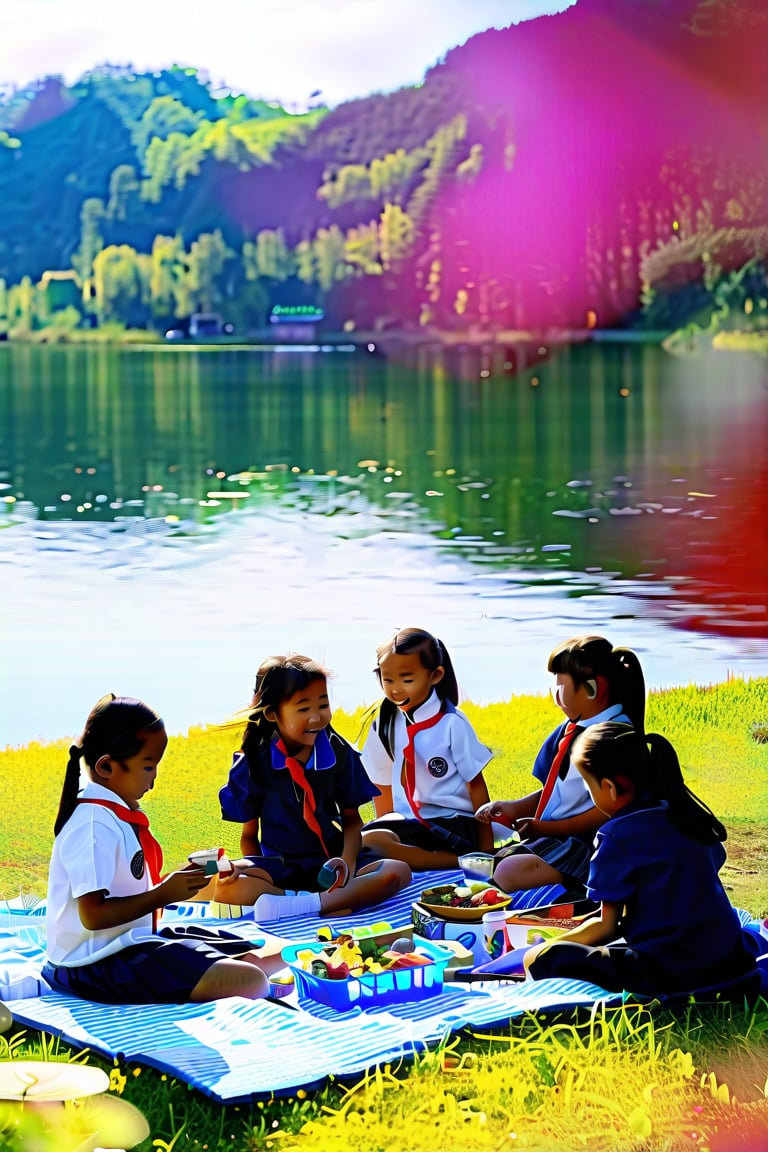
(172, 515)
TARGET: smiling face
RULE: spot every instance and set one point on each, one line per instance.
(405, 680)
(301, 717)
(131, 778)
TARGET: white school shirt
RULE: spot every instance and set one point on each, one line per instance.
(447, 756)
(95, 851)
(571, 797)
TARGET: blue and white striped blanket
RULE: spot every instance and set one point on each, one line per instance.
(22, 927)
(236, 1049)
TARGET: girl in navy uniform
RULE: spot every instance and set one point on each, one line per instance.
(296, 787)
(557, 823)
(424, 757)
(105, 886)
(655, 873)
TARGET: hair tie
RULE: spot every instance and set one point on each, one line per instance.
(75, 752)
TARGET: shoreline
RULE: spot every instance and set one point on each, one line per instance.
(357, 339)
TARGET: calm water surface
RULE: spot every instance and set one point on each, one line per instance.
(171, 516)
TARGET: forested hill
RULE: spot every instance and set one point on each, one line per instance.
(540, 174)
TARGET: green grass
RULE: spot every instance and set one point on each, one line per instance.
(631, 1083)
(611, 1080)
(712, 728)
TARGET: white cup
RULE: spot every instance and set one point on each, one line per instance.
(495, 933)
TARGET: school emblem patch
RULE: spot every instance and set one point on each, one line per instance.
(437, 766)
(137, 865)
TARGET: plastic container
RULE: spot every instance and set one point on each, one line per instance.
(495, 934)
(477, 866)
(374, 990)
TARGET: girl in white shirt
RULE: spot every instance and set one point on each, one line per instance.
(105, 886)
(423, 755)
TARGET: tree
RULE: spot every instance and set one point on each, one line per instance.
(306, 261)
(168, 267)
(396, 233)
(66, 319)
(393, 174)
(168, 162)
(361, 249)
(164, 116)
(208, 256)
(21, 305)
(329, 254)
(91, 219)
(273, 259)
(123, 187)
(442, 148)
(120, 281)
(470, 169)
(227, 144)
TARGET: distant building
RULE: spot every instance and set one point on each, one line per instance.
(62, 290)
(205, 324)
(295, 323)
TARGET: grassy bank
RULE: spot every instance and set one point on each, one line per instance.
(617, 1080)
(626, 1080)
(714, 730)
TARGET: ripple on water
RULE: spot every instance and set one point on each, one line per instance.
(213, 603)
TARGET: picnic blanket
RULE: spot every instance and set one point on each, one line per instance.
(235, 1050)
(22, 927)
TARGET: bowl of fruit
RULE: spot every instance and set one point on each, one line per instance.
(464, 901)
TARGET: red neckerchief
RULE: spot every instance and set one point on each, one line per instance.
(565, 742)
(298, 775)
(153, 853)
(410, 762)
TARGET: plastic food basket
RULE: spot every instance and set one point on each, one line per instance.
(373, 990)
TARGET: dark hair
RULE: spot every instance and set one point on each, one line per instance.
(612, 751)
(433, 654)
(277, 678)
(116, 726)
(585, 657)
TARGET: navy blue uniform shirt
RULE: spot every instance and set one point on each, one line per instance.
(265, 790)
(676, 907)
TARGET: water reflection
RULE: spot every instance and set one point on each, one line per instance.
(613, 466)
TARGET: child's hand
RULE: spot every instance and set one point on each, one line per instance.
(182, 885)
(528, 827)
(498, 811)
(239, 868)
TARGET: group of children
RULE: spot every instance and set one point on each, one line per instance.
(612, 818)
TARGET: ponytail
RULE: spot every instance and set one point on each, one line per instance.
(584, 657)
(628, 686)
(614, 751)
(68, 801)
(116, 726)
(687, 811)
(386, 727)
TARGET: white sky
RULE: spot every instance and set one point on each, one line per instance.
(275, 49)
